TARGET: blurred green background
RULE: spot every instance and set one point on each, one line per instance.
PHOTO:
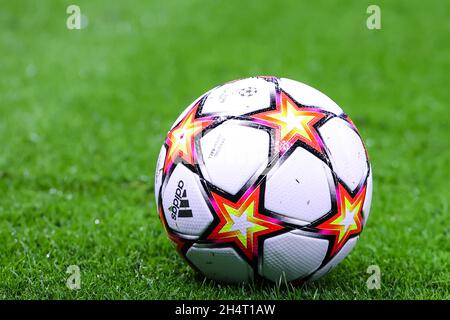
(83, 114)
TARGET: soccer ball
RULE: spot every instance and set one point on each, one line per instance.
(263, 177)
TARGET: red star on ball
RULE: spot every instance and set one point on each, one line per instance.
(293, 123)
(348, 219)
(180, 140)
(241, 222)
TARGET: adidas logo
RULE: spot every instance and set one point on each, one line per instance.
(180, 204)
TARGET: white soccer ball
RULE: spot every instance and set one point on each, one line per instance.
(263, 177)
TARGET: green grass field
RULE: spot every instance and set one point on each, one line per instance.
(83, 114)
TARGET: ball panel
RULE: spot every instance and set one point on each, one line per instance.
(308, 96)
(232, 154)
(368, 200)
(292, 256)
(184, 206)
(159, 171)
(299, 188)
(345, 151)
(346, 249)
(222, 264)
(239, 97)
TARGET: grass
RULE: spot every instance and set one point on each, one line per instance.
(83, 115)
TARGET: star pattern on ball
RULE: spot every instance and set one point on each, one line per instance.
(293, 123)
(348, 219)
(180, 140)
(241, 222)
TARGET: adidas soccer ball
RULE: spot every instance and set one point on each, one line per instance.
(263, 177)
